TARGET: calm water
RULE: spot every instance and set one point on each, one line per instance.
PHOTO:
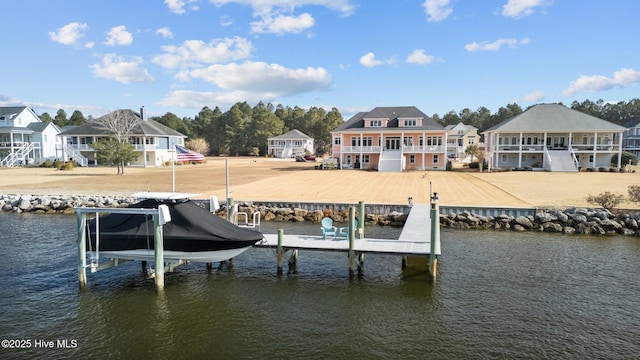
(499, 295)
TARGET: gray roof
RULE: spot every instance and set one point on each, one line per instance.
(293, 134)
(9, 110)
(143, 128)
(554, 117)
(632, 124)
(393, 113)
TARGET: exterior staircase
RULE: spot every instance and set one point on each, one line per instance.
(75, 155)
(562, 160)
(391, 161)
(14, 158)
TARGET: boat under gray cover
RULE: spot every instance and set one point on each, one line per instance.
(191, 229)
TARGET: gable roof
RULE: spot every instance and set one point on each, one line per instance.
(393, 114)
(632, 124)
(10, 110)
(554, 117)
(461, 126)
(293, 134)
(143, 127)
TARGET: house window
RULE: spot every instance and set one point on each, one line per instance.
(355, 141)
(410, 122)
(590, 158)
(472, 140)
(421, 141)
(336, 141)
(523, 158)
(436, 159)
(408, 141)
(367, 141)
(412, 159)
(150, 141)
(375, 123)
(504, 158)
(365, 158)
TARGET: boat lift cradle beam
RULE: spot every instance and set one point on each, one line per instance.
(160, 216)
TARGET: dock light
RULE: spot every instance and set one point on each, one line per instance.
(435, 197)
(410, 201)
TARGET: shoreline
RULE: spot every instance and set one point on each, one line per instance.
(584, 221)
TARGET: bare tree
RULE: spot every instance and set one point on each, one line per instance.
(120, 125)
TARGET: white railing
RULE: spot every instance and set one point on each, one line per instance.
(17, 155)
(364, 149)
(76, 155)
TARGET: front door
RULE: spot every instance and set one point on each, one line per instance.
(392, 143)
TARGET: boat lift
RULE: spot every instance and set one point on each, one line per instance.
(160, 216)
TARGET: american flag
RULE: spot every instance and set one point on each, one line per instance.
(185, 155)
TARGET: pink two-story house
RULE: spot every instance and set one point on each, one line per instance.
(390, 139)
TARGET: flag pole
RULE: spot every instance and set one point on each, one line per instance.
(173, 169)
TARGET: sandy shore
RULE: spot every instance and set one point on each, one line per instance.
(287, 180)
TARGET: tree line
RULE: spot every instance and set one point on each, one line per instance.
(244, 130)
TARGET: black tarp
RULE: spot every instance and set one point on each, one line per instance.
(192, 229)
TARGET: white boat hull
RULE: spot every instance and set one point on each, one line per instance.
(171, 256)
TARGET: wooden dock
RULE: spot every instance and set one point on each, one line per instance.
(415, 239)
(419, 237)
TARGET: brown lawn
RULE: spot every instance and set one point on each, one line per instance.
(287, 180)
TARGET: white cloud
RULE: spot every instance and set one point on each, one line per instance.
(496, 45)
(165, 32)
(177, 6)
(369, 60)
(278, 17)
(268, 6)
(534, 96)
(69, 34)
(269, 80)
(198, 99)
(119, 35)
(283, 24)
(420, 57)
(594, 83)
(116, 68)
(437, 10)
(225, 21)
(522, 8)
(195, 52)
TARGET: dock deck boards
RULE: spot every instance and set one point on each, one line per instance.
(414, 239)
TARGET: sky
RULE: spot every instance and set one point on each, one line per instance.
(178, 56)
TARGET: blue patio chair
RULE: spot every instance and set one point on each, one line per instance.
(344, 231)
(328, 228)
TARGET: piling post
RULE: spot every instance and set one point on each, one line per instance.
(81, 219)
(280, 252)
(230, 209)
(435, 237)
(293, 262)
(361, 219)
(352, 253)
(159, 252)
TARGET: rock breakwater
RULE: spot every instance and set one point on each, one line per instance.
(573, 220)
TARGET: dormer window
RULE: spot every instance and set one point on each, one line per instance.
(410, 123)
(375, 123)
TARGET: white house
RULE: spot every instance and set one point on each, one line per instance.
(554, 138)
(153, 141)
(631, 138)
(459, 137)
(24, 138)
(293, 143)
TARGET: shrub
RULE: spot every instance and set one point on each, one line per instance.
(634, 193)
(474, 165)
(606, 200)
(47, 164)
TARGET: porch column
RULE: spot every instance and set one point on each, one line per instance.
(520, 151)
(595, 149)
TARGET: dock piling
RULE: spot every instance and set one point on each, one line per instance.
(435, 237)
(352, 252)
(280, 251)
(81, 219)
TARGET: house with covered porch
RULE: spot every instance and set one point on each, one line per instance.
(552, 137)
(390, 139)
(153, 142)
(24, 138)
(293, 143)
